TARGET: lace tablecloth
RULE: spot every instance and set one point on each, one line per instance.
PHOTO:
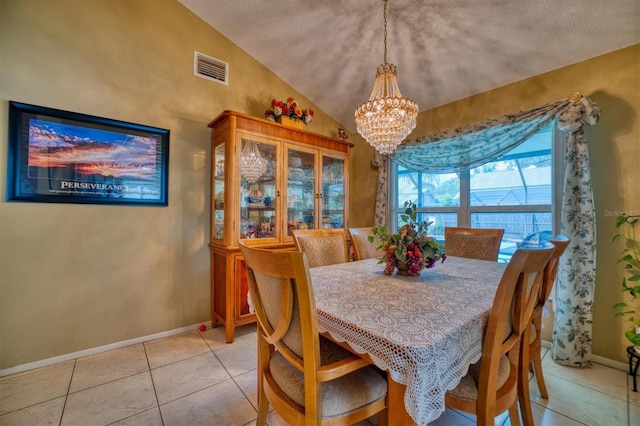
(424, 330)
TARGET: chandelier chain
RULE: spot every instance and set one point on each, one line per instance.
(385, 30)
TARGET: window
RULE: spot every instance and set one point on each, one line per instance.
(514, 192)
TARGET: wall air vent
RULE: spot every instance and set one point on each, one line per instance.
(210, 68)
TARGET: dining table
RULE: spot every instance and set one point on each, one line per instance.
(424, 331)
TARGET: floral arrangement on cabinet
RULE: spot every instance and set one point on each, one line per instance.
(630, 259)
(288, 108)
(411, 249)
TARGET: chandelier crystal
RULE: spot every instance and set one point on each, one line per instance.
(386, 118)
(252, 164)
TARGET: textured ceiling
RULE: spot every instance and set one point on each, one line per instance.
(444, 50)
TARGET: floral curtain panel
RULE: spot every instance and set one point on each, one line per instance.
(575, 284)
(486, 141)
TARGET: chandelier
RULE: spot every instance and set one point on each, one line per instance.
(252, 164)
(386, 118)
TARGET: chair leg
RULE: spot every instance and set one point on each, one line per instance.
(264, 350)
(514, 415)
(263, 408)
(524, 397)
(542, 387)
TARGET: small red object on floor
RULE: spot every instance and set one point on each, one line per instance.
(202, 327)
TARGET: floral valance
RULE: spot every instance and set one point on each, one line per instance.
(476, 144)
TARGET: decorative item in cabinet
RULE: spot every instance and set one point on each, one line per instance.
(217, 189)
(292, 186)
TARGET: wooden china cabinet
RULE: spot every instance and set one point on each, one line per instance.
(266, 179)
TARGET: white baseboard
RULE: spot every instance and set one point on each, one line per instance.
(50, 361)
(99, 349)
(597, 359)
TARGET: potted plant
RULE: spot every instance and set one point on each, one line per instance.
(630, 259)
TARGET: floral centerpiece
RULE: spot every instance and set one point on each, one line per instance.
(411, 249)
(288, 108)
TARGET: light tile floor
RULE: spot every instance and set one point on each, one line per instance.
(196, 379)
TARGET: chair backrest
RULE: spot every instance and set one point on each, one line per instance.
(509, 317)
(362, 248)
(293, 360)
(474, 243)
(322, 246)
(284, 303)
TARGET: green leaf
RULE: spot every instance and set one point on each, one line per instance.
(633, 337)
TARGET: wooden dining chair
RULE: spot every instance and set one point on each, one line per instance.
(474, 243)
(322, 246)
(534, 346)
(491, 385)
(308, 379)
(362, 248)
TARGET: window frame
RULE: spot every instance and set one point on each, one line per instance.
(464, 210)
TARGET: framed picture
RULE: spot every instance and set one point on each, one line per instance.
(64, 157)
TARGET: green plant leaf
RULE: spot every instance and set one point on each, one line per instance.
(633, 337)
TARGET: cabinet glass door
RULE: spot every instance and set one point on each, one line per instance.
(218, 192)
(301, 194)
(258, 190)
(332, 192)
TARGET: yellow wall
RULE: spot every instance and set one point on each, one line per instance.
(613, 82)
(74, 276)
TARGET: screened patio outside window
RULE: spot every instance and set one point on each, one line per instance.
(514, 192)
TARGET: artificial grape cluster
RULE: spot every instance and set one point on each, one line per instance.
(414, 265)
(389, 264)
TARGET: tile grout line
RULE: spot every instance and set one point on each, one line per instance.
(232, 377)
(155, 392)
(66, 396)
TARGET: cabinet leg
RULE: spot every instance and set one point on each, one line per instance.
(230, 332)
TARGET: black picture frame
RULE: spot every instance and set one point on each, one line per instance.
(59, 156)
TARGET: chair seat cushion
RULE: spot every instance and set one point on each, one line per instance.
(467, 389)
(339, 396)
